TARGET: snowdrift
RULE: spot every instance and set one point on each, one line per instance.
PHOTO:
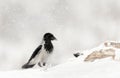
(73, 68)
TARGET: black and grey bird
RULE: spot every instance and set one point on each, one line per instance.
(42, 52)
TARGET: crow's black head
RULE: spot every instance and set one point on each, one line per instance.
(49, 36)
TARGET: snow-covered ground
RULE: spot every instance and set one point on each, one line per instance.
(73, 68)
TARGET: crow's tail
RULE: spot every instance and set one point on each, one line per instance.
(27, 65)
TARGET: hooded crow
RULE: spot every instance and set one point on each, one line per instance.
(42, 52)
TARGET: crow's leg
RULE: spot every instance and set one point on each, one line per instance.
(41, 64)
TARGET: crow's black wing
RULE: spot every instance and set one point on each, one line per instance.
(35, 52)
(27, 65)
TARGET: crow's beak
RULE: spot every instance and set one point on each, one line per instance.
(55, 38)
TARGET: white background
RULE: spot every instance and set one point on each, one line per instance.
(77, 24)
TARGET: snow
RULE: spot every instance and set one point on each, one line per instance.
(79, 25)
(72, 68)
